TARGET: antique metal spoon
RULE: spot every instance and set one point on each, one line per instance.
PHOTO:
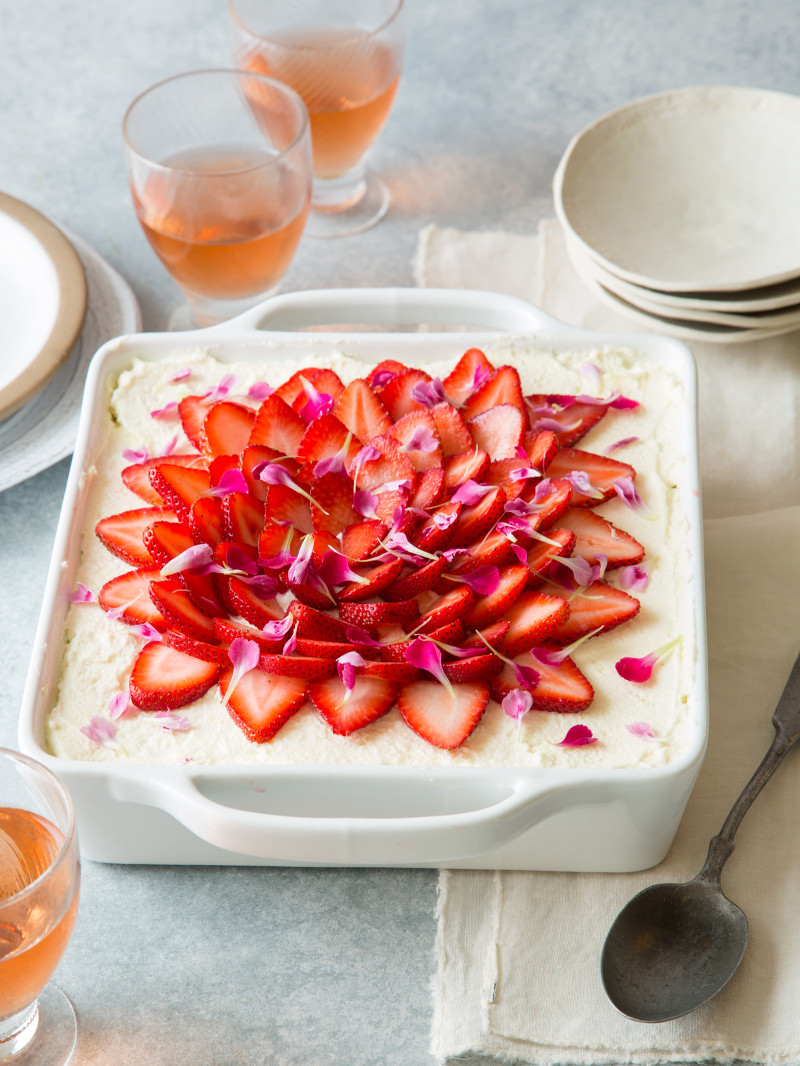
(674, 946)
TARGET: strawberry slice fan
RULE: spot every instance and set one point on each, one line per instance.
(403, 541)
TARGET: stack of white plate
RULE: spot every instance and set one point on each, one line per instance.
(682, 210)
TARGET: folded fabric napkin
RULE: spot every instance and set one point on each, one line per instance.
(518, 953)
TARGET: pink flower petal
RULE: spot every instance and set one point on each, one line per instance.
(119, 705)
(231, 481)
(470, 492)
(524, 473)
(481, 376)
(382, 377)
(620, 444)
(101, 731)
(199, 555)
(168, 413)
(634, 578)
(356, 635)
(583, 571)
(483, 580)
(272, 473)
(259, 391)
(244, 655)
(426, 656)
(577, 736)
(517, 704)
(298, 571)
(135, 455)
(170, 446)
(525, 676)
(278, 630)
(318, 403)
(626, 490)
(80, 594)
(335, 569)
(592, 373)
(291, 643)
(641, 669)
(551, 425)
(579, 480)
(428, 393)
(421, 440)
(444, 521)
(146, 631)
(181, 375)
(221, 390)
(643, 730)
(345, 667)
(172, 724)
(365, 503)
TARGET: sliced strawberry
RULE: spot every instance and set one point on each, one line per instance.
(447, 608)
(599, 606)
(487, 609)
(323, 438)
(492, 635)
(360, 411)
(234, 555)
(253, 457)
(250, 605)
(242, 518)
(575, 419)
(443, 720)
(310, 595)
(165, 540)
(164, 678)
(362, 538)
(468, 466)
(379, 613)
(285, 505)
(601, 470)
(261, 703)
(396, 394)
(332, 509)
(205, 521)
(541, 554)
(541, 447)
(503, 387)
(277, 426)
(390, 465)
(494, 550)
(561, 688)
(322, 649)
(452, 633)
(227, 428)
(324, 380)
(202, 591)
(386, 366)
(379, 579)
(273, 540)
(498, 431)
(192, 411)
(312, 669)
(123, 533)
(317, 624)
(370, 699)
(174, 603)
(435, 535)
(477, 519)
(469, 373)
(229, 629)
(411, 584)
(552, 502)
(475, 668)
(452, 429)
(179, 486)
(596, 536)
(398, 671)
(131, 590)
(413, 423)
(220, 465)
(137, 477)
(198, 649)
(428, 490)
(534, 618)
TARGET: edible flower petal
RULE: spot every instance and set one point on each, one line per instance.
(298, 571)
(577, 736)
(171, 723)
(421, 440)
(167, 413)
(525, 676)
(553, 657)
(542, 424)
(275, 474)
(425, 655)
(346, 669)
(231, 481)
(520, 507)
(334, 464)
(579, 480)
(119, 705)
(643, 730)
(366, 455)
(244, 655)
(357, 635)
(146, 631)
(318, 403)
(190, 559)
(523, 473)
(626, 490)
(382, 377)
(335, 569)
(470, 492)
(291, 643)
(101, 731)
(135, 455)
(614, 400)
(259, 391)
(80, 594)
(635, 578)
(181, 375)
(365, 502)
(444, 521)
(483, 580)
(278, 630)
(592, 373)
(219, 392)
(620, 444)
(428, 393)
(640, 670)
(517, 704)
(170, 446)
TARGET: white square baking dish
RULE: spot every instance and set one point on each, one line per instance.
(600, 820)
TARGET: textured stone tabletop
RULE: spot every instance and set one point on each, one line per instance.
(229, 965)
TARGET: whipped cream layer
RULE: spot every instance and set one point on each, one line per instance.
(98, 654)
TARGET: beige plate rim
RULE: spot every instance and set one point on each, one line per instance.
(73, 299)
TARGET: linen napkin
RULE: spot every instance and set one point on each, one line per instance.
(518, 953)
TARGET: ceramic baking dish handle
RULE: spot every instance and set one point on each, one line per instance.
(392, 307)
(235, 815)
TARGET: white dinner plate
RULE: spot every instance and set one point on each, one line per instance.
(692, 190)
(42, 302)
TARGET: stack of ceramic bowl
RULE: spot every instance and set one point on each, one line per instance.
(682, 211)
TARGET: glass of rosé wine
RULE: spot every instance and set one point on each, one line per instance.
(39, 879)
(344, 58)
(219, 168)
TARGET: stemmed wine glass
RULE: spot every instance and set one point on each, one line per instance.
(344, 58)
(39, 879)
(219, 167)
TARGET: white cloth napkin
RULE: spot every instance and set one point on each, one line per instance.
(518, 953)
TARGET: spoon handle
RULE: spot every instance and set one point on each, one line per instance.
(786, 721)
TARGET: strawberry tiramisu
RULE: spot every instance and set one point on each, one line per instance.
(478, 562)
